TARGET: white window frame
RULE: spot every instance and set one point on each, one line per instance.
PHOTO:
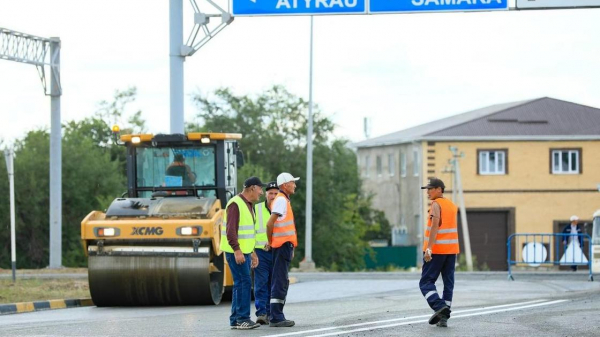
(416, 160)
(379, 165)
(572, 157)
(484, 162)
(403, 164)
(391, 164)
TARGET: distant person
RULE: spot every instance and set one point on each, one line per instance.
(281, 232)
(238, 241)
(264, 272)
(571, 232)
(439, 252)
(178, 168)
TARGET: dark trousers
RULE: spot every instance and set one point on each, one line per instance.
(262, 282)
(282, 257)
(439, 264)
(242, 286)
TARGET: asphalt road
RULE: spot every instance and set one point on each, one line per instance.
(357, 304)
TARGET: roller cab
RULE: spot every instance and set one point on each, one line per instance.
(158, 244)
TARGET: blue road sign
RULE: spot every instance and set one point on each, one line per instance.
(399, 6)
(297, 7)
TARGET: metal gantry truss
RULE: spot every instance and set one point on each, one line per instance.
(201, 33)
(31, 49)
(44, 52)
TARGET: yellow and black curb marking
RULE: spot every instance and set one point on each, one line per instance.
(17, 308)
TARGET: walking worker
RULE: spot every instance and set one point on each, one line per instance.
(264, 270)
(281, 233)
(439, 252)
(238, 241)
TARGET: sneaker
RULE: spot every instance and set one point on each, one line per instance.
(283, 324)
(445, 312)
(246, 325)
(262, 319)
(443, 323)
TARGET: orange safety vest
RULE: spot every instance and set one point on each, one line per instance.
(284, 230)
(447, 236)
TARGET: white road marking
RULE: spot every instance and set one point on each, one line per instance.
(455, 314)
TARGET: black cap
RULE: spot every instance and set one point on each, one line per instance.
(272, 185)
(433, 183)
(253, 181)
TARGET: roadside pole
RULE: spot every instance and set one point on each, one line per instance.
(308, 263)
(9, 154)
(461, 203)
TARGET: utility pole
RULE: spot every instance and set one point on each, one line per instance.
(10, 168)
(307, 263)
(461, 203)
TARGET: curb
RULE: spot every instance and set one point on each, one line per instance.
(17, 308)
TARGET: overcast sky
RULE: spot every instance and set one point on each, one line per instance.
(400, 70)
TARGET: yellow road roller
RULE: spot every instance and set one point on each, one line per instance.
(158, 244)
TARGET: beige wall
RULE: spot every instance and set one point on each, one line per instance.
(397, 195)
(539, 197)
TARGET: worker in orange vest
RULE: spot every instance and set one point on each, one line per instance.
(281, 233)
(440, 248)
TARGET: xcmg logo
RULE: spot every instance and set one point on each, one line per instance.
(147, 231)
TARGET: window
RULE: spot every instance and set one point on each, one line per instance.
(367, 165)
(492, 162)
(175, 166)
(378, 164)
(391, 165)
(403, 164)
(415, 162)
(566, 161)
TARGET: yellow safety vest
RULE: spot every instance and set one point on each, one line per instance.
(246, 237)
(262, 216)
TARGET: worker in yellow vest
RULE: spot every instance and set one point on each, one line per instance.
(440, 248)
(238, 241)
(264, 271)
(281, 232)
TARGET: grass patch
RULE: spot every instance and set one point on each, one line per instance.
(28, 290)
(45, 271)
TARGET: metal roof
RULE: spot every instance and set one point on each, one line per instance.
(537, 119)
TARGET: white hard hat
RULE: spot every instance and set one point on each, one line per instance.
(574, 218)
(285, 178)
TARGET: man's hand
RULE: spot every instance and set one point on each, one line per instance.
(239, 257)
(267, 247)
(427, 256)
(254, 262)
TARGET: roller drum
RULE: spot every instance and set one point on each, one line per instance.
(155, 279)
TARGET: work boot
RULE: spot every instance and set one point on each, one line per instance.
(262, 319)
(283, 324)
(443, 323)
(437, 316)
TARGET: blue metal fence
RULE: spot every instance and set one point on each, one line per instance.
(536, 249)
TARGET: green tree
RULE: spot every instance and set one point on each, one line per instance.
(274, 126)
(93, 174)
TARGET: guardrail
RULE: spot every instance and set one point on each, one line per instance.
(536, 249)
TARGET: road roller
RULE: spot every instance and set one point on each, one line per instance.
(158, 243)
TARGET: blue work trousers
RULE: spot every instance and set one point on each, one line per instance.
(282, 257)
(262, 282)
(439, 264)
(242, 286)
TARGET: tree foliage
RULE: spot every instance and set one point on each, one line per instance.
(92, 176)
(274, 127)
